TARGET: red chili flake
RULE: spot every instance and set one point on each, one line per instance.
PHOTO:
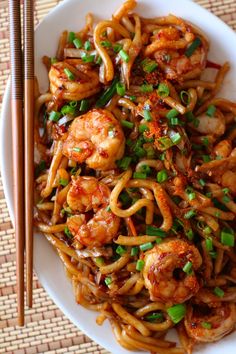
(211, 64)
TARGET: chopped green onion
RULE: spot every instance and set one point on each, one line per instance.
(53, 60)
(154, 317)
(87, 45)
(196, 122)
(190, 116)
(139, 265)
(184, 96)
(63, 182)
(73, 171)
(108, 281)
(208, 194)
(213, 254)
(117, 47)
(177, 312)
(162, 176)
(227, 237)
(69, 74)
(219, 292)
(68, 110)
(211, 110)
(106, 44)
(67, 232)
(98, 61)
(73, 104)
(140, 175)
(107, 94)
(84, 105)
(205, 141)
(121, 250)
(54, 116)
(155, 231)
(202, 182)
(124, 56)
(120, 88)
(158, 240)
(146, 246)
(99, 261)
(77, 43)
(134, 251)
(192, 196)
(88, 58)
(147, 115)
(163, 90)
(225, 190)
(124, 163)
(193, 46)
(187, 268)
(132, 98)
(143, 128)
(173, 113)
(217, 214)
(190, 214)
(207, 230)
(77, 149)
(150, 152)
(108, 208)
(176, 138)
(165, 142)
(145, 88)
(206, 158)
(71, 37)
(139, 151)
(149, 65)
(226, 199)
(209, 244)
(190, 234)
(127, 124)
(174, 121)
(146, 169)
(206, 325)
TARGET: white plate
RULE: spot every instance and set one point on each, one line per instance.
(70, 15)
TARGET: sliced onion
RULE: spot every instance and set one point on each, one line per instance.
(95, 252)
(77, 53)
(65, 119)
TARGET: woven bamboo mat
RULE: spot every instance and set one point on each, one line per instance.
(47, 330)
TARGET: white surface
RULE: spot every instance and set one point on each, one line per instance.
(70, 15)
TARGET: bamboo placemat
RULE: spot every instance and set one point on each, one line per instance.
(47, 330)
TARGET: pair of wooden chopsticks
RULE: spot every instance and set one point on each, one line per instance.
(22, 104)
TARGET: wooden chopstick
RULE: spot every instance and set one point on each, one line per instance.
(18, 146)
(29, 141)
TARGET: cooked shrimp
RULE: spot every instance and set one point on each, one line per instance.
(82, 82)
(163, 273)
(87, 194)
(210, 125)
(223, 148)
(219, 322)
(95, 138)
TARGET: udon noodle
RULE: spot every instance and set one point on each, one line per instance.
(135, 174)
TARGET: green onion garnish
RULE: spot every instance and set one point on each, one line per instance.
(87, 45)
(163, 90)
(174, 121)
(150, 152)
(69, 74)
(99, 261)
(213, 254)
(145, 88)
(227, 237)
(54, 116)
(77, 43)
(107, 94)
(147, 115)
(158, 240)
(63, 182)
(190, 234)
(134, 251)
(162, 176)
(67, 232)
(124, 56)
(98, 61)
(187, 268)
(139, 265)
(176, 138)
(53, 60)
(219, 292)
(108, 281)
(177, 312)
(106, 44)
(226, 199)
(207, 230)
(211, 110)
(139, 175)
(140, 152)
(73, 104)
(121, 250)
(88, 58)
(205, 141)
(190, 116)
(206, 158)
(173, 113)
(190, 214)
(143, 128)
(184, 96)
(206, 325)
(77, 149)
(202, 182)
(117, 47)
(193, 46)
(146, 246)
(127, 124)
(120, 88)
(149, 65)
(225, 190)
(146, 169)
(209, 244)
(132, 98)
(68, 110)
(124, 163)
(84, 105)
(154, 317)
(155, 231)
(165, 142)
(71, 37)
